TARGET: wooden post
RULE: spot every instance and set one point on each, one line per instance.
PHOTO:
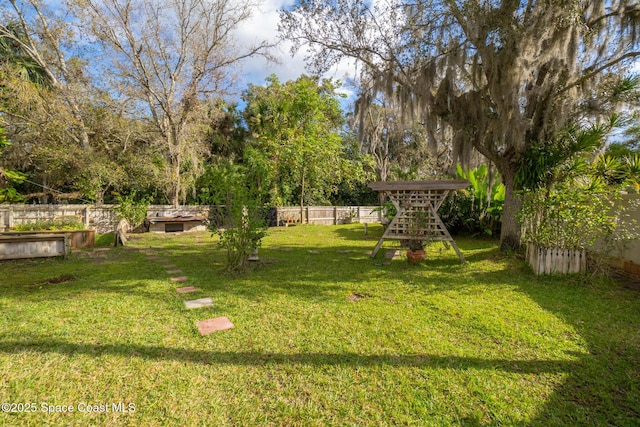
(67, 245)
(85, 218)
(121, 232)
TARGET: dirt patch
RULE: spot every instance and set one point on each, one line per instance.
(357, 297)
(54, 280)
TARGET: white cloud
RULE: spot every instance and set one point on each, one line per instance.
(263, 25)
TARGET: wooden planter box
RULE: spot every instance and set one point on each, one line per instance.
(79, 238)
(556, 260)
(34, 245)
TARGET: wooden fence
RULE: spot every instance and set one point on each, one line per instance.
(327, 215)
(103, 219)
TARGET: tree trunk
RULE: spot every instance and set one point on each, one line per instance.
(175, 181)
(175, 158)
(302, 200)
(511, 231)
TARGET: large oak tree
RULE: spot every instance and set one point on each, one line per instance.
(504, 75)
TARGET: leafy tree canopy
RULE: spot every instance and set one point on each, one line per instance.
(502, 75)
(295, 136)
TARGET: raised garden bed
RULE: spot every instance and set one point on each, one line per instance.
(79, 238)
(34, 245)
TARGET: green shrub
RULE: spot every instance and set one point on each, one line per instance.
(571, 193)
(65, 223)
(476, 209)
(234, 191)
(134, 211)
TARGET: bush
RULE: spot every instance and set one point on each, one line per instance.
(134, 211)
(571, 193)
(239, 215)
(70, 223)
(478, 208)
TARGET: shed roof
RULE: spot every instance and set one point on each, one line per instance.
(179, 218)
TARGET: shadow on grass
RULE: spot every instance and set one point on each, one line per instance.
(600, 388)
(604, 387)
(45, 346)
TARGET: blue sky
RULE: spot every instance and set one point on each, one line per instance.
(264, 26)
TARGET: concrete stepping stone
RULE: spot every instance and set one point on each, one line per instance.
(314, 251)
(179, 279)
(152, 258)
(168, 265)
(174, 271)
(206, 327)
(198, 303)
(164, 261)
(187, 289)
(285, 249)
(98, 250)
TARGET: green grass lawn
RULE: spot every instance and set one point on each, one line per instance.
(320, 339)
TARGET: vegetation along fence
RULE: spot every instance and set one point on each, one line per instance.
(104, 220)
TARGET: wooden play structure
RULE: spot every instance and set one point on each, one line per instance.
(413, 200)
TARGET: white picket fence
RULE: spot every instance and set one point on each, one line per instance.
(556, 260)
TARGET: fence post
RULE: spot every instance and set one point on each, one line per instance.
(85, 217)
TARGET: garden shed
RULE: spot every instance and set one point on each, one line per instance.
(176, 224)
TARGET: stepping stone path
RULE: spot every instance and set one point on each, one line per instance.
(197, 303)
(187, 289)
(206, 327)
(314, 251)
